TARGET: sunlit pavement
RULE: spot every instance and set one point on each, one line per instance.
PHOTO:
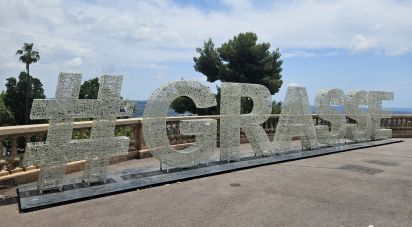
(357, 188)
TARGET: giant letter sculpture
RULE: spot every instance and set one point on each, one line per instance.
(53, 155)
(103, 129)
(154, 124)
(324, 99)
(295, 121)
(375, 110)
(231, 121)
(361, 131)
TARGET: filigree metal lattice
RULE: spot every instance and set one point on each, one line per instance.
(375, 110)
(59, 148)
(361, 130)
(154, 124)
(295, 121)
(324, 99)
(232, 120)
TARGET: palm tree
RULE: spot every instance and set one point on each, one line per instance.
(28, 56)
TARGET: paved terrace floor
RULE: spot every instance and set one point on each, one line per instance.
(357, 188)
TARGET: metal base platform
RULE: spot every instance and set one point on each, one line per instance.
(29, 199)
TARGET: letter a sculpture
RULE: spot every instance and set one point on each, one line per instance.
(53, 155)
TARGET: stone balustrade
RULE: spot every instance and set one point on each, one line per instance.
(14, 138)
(401, 125)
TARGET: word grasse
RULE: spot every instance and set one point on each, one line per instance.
(295, 121)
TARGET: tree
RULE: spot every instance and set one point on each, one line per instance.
(241, 60)
(89, 89)
(6, 117)
(28, 56)
(20, 94)
(183, 104)
(276, 107)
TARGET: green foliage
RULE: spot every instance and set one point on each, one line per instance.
(246, 105)
(123, 131)
(28, 56)
(183, 104)
(276, 107)
(241, 60)
(77, 134)
(209, 62)
(119, 131)
(20, 94)
(89, 89)
(6, 117)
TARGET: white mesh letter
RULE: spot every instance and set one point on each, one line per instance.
(58, 149)
(154, 124)
(295, 121)
(375, 110)
(232, 120)
(324, 99)
(361, 131)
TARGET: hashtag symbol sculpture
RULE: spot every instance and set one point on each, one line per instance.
(53, 155)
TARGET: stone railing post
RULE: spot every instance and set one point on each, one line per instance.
(2, 150)
(138, 136)
(13, 146)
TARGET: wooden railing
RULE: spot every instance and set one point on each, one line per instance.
(14, 138)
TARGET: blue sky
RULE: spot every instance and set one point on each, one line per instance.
(351, 44)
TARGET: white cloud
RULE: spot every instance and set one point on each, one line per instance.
(74, 62)
(361, 43)
(125, 35)
(397, 51)
(293, 84)
(377, 27)
(298, 53)
(238, 4)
